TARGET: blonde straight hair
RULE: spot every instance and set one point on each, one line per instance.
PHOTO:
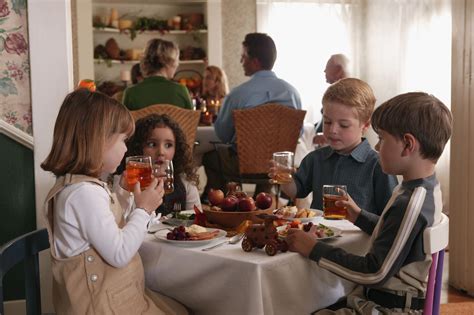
(86, 120)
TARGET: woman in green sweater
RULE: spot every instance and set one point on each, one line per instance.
(158, 66)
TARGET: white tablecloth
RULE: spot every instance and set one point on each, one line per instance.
(228, 280)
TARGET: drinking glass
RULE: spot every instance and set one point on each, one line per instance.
(331, 194)
(166, 171)
(138, 170)
(284, 162)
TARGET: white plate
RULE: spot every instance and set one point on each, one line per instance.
(161, 235)
(319, 214)
(337, 233)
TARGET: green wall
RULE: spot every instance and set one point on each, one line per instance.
(17, 204)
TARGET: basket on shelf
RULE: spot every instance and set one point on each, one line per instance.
(192, 79)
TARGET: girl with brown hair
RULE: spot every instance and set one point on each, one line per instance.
(95, 265)
(160, 137)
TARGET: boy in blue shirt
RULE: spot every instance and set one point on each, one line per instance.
(348, 160)
(393, 275)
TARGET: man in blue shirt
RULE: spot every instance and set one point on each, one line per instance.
(258, 57)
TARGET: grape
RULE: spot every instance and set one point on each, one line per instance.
(307, 226)
(170, 236)
(181, 228)
(181, 236)
(187, 235)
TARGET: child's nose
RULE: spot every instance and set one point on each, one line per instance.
(160, 150)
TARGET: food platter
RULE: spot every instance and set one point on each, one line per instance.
(336, 233)
(303, 215)
(333, 232)
(318, 214)
(161, 235)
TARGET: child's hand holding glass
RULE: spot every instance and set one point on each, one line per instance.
(150, 198)
(353, 209)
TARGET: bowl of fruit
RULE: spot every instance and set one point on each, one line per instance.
(231, 210)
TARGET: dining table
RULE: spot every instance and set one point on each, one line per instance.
(228, 280)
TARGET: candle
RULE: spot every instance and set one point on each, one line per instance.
(125, 75)
(207, 118)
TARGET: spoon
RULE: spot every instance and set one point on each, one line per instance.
(233, 240)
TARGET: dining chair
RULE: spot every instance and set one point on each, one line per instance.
(435, 240)
(25, 248)
(187, 119)
(261, 131)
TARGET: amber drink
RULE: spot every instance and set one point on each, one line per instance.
(138, 170)
(331, 194)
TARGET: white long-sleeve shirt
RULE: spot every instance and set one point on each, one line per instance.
(83, 219)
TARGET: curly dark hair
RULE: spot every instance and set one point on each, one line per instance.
(182, 160)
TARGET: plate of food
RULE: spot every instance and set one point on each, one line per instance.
(322, 231)
(304, 215)
(185, 218)
(191, 236)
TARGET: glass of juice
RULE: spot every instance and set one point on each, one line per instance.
(138, 170)
(331, 194)
(284, 161)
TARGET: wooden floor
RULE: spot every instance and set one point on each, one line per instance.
(449, 294)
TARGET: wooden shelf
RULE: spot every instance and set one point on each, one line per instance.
(164, 33)
(131, 62)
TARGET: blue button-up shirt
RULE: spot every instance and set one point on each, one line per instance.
(263, 87)
(360, 171)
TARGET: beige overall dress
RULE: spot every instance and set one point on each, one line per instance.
(86, 284)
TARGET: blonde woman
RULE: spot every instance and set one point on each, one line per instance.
(158, 67)
(215, 85)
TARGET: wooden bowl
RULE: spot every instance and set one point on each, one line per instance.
(233, 219)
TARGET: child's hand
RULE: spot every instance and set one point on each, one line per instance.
(272, 168)
(353, 210)
(300, 241)
(151, 198)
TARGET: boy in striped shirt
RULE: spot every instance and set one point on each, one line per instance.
(392, 276)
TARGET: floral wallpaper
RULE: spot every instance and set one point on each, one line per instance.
(15, 102)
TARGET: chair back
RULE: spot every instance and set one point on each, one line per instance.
(262, 130)
(25, 248)
(435, 240)
(187, 119)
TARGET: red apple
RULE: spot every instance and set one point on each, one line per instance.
(215, 196)
(229, 203)
(246, 204)
(263, 200)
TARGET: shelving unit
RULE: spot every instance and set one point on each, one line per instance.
(161, 9)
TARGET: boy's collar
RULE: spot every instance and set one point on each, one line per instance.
(359, 154)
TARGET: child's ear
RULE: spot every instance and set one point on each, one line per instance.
(365, 126)
(410, 144)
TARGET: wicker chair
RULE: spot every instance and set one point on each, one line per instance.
(260, 131)
(187, 119)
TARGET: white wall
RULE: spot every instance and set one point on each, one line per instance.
(49, 25)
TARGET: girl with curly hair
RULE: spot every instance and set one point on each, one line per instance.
(160, 137)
